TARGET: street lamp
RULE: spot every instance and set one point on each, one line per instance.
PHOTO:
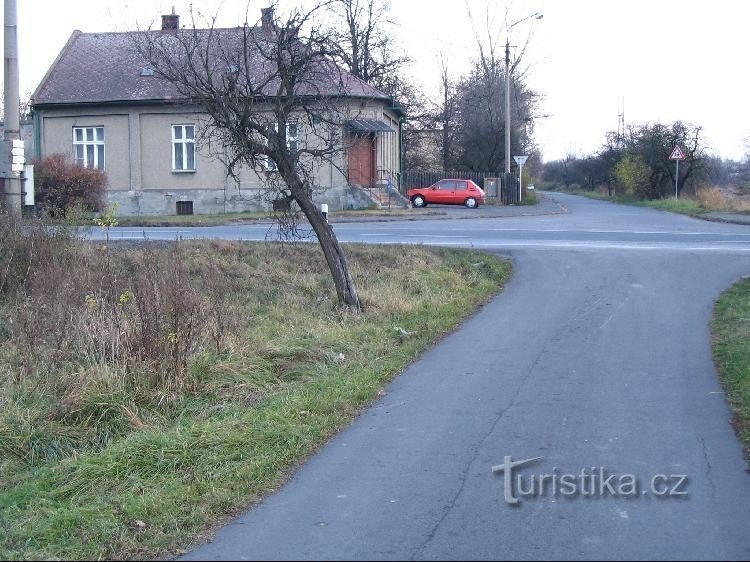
(535, 15)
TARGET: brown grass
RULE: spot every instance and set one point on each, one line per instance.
(717, 199)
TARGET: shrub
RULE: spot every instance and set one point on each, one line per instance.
(632, 173)
(62, 185)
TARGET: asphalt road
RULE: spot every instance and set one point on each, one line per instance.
(597, 355)
(589, 225)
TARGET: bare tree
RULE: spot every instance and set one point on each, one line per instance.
(480, 99)
(260, 86)
(655, 142)
(447, 112)
(363, 45)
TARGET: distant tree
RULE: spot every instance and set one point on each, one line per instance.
(480, 132)
(254, 83)
(446, 115)
(721, 172)
(654, 143)
(565, 173)
(481, 117)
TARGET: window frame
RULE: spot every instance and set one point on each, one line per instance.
(183, 142)
(90, 144)
(270, 163)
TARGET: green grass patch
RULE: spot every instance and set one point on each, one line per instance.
(682, 206)
(530, 198)
(96, 464)
(191, 220)
(731, 347)
(250, 216)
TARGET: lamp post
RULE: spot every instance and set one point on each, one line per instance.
(535, 15)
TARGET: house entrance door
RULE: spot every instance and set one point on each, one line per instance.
(362, 160)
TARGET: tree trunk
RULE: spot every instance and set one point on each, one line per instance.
(337, 263)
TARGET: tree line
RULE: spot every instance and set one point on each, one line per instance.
(636, 163)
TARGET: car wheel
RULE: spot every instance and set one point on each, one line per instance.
(418, 201)
(471, 203)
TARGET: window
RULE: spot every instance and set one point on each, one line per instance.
(184, 207)
(292, 143)
(447, 185)
(183, 148)
(88, 147)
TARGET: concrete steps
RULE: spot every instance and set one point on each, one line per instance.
(385, 199)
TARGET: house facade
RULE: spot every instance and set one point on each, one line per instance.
(103, 106)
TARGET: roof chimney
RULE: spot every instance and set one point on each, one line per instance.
(266, 18)
(170, 21)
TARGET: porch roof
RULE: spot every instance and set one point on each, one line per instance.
(369, 126)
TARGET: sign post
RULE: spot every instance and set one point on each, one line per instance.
(520, 160)
(676, 155)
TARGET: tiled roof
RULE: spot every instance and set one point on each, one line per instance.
(106, 67)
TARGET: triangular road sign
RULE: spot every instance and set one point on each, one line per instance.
(677, 154)
(520, 160)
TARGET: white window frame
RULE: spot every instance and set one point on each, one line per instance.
(186, 144)
(92, 138)
(270, 165)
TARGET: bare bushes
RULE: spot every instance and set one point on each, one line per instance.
(63, 185)
(142, 312)
(168, 323)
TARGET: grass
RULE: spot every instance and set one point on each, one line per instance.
(731, 347)
(684, 206)
(233, 218)
(530, 198)
(191, 220)
(96, 467)
(708, 201)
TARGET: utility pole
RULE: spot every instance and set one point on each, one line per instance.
(538, 16)
(507, 117)
(507, 107)
(12, 111)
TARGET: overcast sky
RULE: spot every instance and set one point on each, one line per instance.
(668, 59)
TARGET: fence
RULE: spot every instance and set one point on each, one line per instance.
(495, 184)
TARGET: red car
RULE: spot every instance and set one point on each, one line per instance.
(448, 192)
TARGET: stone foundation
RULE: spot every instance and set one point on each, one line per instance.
(214, 201)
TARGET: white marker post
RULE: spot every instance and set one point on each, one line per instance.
(676, 155)
(520, 160)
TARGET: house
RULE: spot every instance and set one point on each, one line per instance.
(101, 104)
